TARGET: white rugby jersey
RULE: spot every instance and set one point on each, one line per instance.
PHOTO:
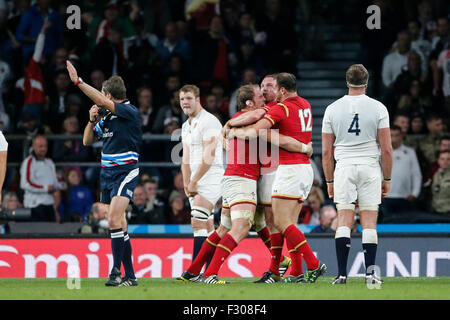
(354, 121)
(203, 127)
(3, 143)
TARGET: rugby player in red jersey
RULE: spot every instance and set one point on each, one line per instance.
(294, 175)
(239, 196)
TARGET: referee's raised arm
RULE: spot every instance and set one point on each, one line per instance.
(96, 96)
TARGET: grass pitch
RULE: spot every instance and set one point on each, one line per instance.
(240, 289)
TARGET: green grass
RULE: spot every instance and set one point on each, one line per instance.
(240, 289)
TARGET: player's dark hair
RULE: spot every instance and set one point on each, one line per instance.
(357, 76)
(116, 87)
(244, 94)
(191, 88)
(287, 81)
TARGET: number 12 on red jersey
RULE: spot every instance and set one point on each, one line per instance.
(305, 114)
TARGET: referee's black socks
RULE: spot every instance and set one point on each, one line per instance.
(127, 260)
(117, 246)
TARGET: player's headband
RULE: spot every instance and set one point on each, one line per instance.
(356, 85)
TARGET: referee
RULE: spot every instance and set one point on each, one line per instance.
(117, 122)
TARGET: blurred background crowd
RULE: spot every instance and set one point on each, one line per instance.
(158, 46)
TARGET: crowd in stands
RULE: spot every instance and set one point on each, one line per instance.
(157, 46)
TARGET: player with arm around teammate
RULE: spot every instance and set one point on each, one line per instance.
(294, 175)
(350, 130)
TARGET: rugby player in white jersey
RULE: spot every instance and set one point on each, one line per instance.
(202, 164)
(351, 127)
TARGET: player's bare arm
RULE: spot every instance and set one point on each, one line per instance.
(96, 96)
(251, 131)
(209, 152)
(288, 143)
(328, 160)
(247, 118)
(88, 134)
(384, 137)
(3, 159)
(186, 169)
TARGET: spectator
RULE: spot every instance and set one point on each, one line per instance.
(33, 85)
(429, 145)
(173, 44)
(327, 217)
(313, 203)
(394, 62)
(417, 43)
(179, 189)
(146, 109)
(58, 100)
(173, 109)
(97, 78)
(425, 15)
(155, 204)
(10, 201)
(30, 26)
(439, 44)
(139, 213)
(406, 178)
(97, 220)
(99, 27)
(223, 102)
(443, 74)
(39, 181)
(71, 150)
(417, 124)
(434, 167)
(108, 54)
(441, 185)
(58, 61)
(412, 72)
(76, 200)
(416, 100)
(177, 214)
(402, 121)
(248, 77)
(211, 54)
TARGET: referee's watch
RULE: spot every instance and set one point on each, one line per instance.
(79, 81)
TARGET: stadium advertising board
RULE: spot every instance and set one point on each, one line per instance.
(51, 258)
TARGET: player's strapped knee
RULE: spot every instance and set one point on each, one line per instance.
(199, 213)
(243, 214)
(225, 221)
(349, 206)
(369, 236)
(342, 232)
(259, 219)
(368, 207)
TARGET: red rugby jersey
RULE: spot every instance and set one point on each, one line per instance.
(293, 117)
(242, 157)
(269, 162)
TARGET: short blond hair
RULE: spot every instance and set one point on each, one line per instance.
(357, 76)
(191, 88)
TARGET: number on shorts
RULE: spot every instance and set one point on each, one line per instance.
(305, 113)
(355, 123)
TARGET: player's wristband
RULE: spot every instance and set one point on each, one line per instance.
(79, 81)
(330, 181)
(92, 121)
(387, 180)
(306, 148)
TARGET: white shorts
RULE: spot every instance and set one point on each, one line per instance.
(209, 187)
(293, 181)
(265, 183)
(238, 190)
(357, 183)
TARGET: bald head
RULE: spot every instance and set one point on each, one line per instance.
(326, 216)
(40, 147)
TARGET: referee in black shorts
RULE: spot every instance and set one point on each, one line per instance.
(117, 123)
